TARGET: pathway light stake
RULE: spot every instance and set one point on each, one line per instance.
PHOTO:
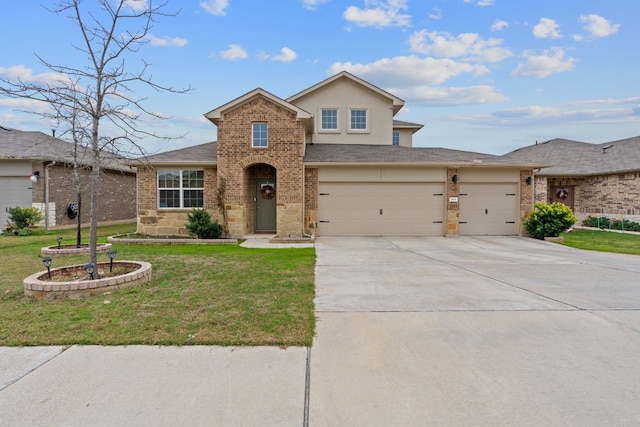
(59, 239)
(112, 255)
(47, 263)
(89, 268)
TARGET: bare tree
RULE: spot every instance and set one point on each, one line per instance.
(103, 89)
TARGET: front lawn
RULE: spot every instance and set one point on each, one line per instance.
(199, 294)
(603, 241)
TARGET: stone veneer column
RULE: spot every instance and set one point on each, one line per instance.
(526, 197)
(453, 208)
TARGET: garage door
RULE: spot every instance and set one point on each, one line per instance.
(488, 209)
(379, 209)
(14, 191)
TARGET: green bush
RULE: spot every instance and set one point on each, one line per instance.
(24, 217)
(201, 226)
(549, 220)
(615, 224)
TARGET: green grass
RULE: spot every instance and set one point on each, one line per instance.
(199, 294)
(603, 241)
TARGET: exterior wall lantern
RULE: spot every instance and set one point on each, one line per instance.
(34, 176)
(47, 263)
(454, 179)
(528, 180)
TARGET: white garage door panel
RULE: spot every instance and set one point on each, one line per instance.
(488, 209)
(373, 209)
(14, 191)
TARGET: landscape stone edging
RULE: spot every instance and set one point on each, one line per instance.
(45, 289)
(73, 250)
(127, 241)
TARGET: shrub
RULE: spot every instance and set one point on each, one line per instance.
(201, 226)
(24, 217)
(615, 224)
(549, 220)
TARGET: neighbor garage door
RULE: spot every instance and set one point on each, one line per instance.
(15, 187)
(381, 208)
(488, 208)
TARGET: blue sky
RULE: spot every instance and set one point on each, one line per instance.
(481, 75)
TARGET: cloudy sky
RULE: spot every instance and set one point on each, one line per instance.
(481, 75)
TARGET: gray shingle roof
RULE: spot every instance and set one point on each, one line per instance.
(574, 158)
(200, 154)
(31, 145)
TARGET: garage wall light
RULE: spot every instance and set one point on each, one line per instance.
(454, 179)
(528, 180)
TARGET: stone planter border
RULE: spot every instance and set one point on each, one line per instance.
(122, 239)
(35, 286)
(73, 250)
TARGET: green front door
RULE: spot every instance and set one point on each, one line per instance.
(265, 196)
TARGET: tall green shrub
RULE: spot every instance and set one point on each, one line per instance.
(24, 217)
(201, 226)
(549, 220)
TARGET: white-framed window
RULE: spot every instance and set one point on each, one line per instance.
(395, 139)
(259, 134)
(358, 119)
(329, 120)
(180, 189)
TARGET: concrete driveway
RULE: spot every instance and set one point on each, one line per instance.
(474, 331)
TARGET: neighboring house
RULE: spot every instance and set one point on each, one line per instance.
(331, 160)
(37, 170)
(592, 179)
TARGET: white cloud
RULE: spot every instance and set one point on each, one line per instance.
(450, 96)
(540, 66)
(379, 13)
(499, 25)
(22, 104)
(166, 41)
(286, 55)
(411, 70)
(547, 28)
(137, 5)
(24, 74)
(312, 4)
(235, 51)
(598, 26)
(481, 3)
(215, 7)
(436, 13)
(466, 45)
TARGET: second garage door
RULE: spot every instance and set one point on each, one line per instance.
(488, 209)
(379, 209)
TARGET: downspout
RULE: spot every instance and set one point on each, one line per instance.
(46, 194)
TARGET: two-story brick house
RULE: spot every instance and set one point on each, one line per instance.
(331, 160)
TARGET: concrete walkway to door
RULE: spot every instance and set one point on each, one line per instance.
(474, 331)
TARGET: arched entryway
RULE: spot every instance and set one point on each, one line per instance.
(264, 195)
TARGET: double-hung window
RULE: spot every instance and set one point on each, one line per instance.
(329, 119)
(260, 133)
(180, 189)
(358, 120)
(396, 137)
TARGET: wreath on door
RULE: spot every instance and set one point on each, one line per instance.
(562, 193)
(267, 191)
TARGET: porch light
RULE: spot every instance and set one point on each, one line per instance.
(59, 239)
(112, 255)
(89, 268)
(47, 263)
(528, 180)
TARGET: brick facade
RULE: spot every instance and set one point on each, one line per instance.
(240, 164)
(117, 194)
(613, 196)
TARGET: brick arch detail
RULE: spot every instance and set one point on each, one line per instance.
(259, 158)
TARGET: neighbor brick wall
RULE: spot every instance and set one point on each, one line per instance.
(284, 153)
(613, 195)
(117, 193)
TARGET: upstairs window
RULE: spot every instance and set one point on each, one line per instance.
(180, 189)
(259, 133)
(396, 137)
(329, 119)
(358, 119)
